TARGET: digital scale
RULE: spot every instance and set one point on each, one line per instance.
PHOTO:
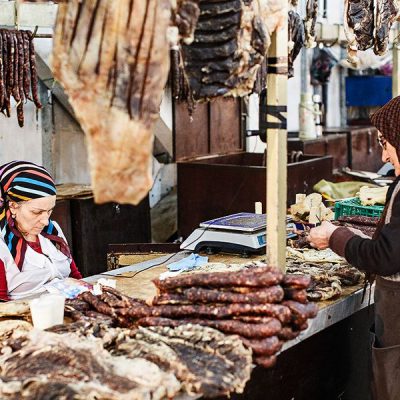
(239, 233)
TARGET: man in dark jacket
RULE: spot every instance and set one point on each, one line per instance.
(380, 256)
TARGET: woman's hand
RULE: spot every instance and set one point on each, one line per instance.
(319, 236)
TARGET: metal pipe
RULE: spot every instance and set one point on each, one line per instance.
(43, 36)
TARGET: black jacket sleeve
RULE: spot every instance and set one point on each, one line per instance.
(382, 255)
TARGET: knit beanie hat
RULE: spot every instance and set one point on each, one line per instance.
(387, 121)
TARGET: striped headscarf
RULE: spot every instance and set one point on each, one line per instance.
(22, 181)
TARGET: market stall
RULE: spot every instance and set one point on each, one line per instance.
(287, 321)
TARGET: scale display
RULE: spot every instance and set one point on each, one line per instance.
(244, 222)
(242, 233)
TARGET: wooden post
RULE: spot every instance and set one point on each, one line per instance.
(396, 64)
(277, 148)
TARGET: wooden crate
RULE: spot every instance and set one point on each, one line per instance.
(90, 228)
(353, 146)
(221, 185)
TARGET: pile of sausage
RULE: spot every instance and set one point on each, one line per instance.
(261, 305)
(18, 76)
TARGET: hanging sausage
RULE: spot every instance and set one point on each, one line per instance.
(18, 76)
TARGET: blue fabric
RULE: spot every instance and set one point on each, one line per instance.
(190, 262)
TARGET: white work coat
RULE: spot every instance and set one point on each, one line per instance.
(37, 269)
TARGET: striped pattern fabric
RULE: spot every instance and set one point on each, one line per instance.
(23, 181)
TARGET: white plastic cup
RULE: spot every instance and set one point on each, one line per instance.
(47, 310)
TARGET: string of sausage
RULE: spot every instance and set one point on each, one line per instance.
(5, 106)
(34, 81)
(11, 56)
(2, 88)
(20, 105)
(18, 76)
(27, 71)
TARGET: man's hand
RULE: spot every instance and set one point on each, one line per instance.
(319, 236)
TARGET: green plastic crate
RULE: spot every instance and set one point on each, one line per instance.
(354, 207)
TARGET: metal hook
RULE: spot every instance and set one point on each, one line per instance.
(35, 32)
(16, 15)
(292, 155)
(117, 208)
(298, 155)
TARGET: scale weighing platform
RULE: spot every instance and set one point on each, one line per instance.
(239, 233)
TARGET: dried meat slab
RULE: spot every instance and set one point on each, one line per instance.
(296, 35)
(112, 59)
(49, 363)
(358, 26)
(310, 22)
(387, 12)
(205, 360)
(231, 36)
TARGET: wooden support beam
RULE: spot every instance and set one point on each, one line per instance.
(396, 63)
(277, 148)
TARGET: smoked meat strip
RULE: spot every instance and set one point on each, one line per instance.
(258, 277)
(296, 281)
(263, 347)
(20, 88)
(2, 88)
(26, 69)
(34, 81)
(265, 361)
(11, 56)
(299, 295)
(264, 330)
(252, 319)
(281, 312)
(288, 333)
(273, 294)
(6, 107)
(15, 89)
(301, 312)
(97, 304)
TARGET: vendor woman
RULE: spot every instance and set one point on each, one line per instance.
(33, 249)
(380, 256)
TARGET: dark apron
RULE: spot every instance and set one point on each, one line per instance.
(386, 344)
